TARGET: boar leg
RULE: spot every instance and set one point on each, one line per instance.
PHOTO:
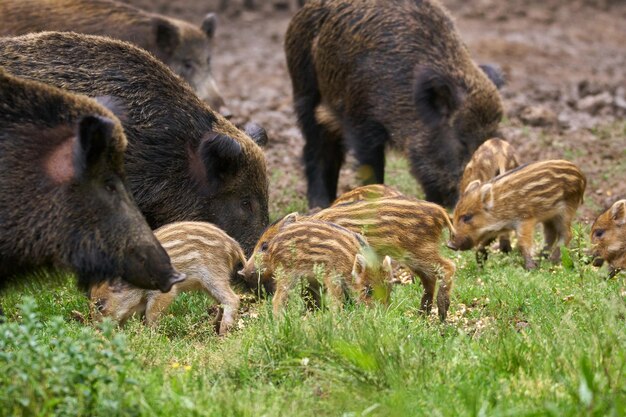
(446, 273)
(369, 145)
(221, 291)
(323, 156)
(525, 232)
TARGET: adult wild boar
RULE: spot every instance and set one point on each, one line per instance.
(184, 161)
(185, 48)
(63, 201)
(368, 73)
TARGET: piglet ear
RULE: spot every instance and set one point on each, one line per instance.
(358, 269)
(472, 186)
(94, 136)
(289, 219)
(618, 212)
(209, 24)
(221, 157)
(486, 192)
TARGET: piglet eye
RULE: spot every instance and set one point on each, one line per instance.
(264, 246)
(598, 233)
(467, 218)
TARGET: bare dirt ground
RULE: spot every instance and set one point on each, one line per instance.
(565, 64)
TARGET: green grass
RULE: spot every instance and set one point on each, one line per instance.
(551, 342)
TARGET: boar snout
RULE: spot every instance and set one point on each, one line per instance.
(149, 267)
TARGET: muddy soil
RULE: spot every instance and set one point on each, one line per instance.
(565, 64)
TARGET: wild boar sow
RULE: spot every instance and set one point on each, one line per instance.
(368, 73)
(184, 161)
(63, 200)
(547, 192)
(185, 48)
(608, 238)
(204, 253)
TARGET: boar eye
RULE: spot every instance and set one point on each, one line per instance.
(110, 187)
(467, 218)
(598, 233)
(188, 64)
(246, 205)
(264, 246)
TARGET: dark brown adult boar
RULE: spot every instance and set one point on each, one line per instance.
(494, 157)
(63, 199)
(547, 192)
(184, 161)
(368, 73)
(608, 238)
(185, 48)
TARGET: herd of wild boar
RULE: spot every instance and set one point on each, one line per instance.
(118, 161)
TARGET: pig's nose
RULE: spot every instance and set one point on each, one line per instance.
(99, 305)
(174, 279)
(451, 245)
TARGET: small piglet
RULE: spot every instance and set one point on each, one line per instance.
(608, 238)
(208, 257)
(407, 230)
(547, 192)
(492, 158)
(367, 192)
(321, 251)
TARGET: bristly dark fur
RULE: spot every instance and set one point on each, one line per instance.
(367, 73)
(184, 47)
(73, 220)
(167, 127)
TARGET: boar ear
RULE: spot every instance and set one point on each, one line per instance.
(209, 24)
(94, 136)
(167, 36)
(618, 212)
(486, 193)
(114, 105)
(494, 74)
(256, 133)
(437, 97)
(221, 156)
(472, 186)
(358, 269)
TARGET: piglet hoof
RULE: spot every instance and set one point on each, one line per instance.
(505, 246)
(529, 264)
(613, 272)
